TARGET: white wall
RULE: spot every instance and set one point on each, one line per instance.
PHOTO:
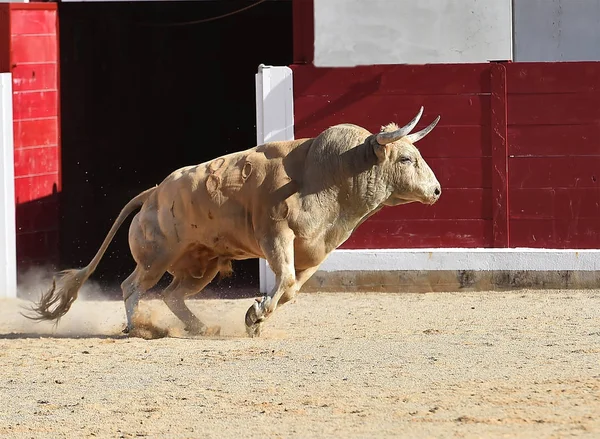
(364, 32)
(8, 252)
(557, 30)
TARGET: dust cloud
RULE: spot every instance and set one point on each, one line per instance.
(93, 313)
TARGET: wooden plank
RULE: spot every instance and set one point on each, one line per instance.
(33, 105)
(35, 187)
(35, 132)
(303, 23)
(462, 172)
(458, 141)
(5, 62)
(499, 157)
(421, 234)
(37, 216)
(30, 77)
(555, 233)
(559, 77)
(37, 160)
(554, 109)
(554, 172)
(28, 22)
(428, 79)
(443, 142)
(34, 49)
(559, 203)
(549, 140)
(475, 203)
(37, 247)
(315, 113)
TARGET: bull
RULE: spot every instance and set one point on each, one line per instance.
(291, 202)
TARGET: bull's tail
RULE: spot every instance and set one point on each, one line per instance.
(57, 301)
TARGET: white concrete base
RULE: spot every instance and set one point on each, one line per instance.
(429, 270)
(451, 269)
(478, 259)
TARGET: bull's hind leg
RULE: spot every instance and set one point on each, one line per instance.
(185, 285)
(138, 282)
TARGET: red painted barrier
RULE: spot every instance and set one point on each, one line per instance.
(517, 150)
(29, 50)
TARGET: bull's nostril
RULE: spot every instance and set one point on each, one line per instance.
(437, 191)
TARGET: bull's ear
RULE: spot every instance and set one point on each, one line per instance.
(381, 151)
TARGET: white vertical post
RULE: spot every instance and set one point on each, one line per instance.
(8, 250)
(274, 122)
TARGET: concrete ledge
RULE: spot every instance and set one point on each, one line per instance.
(453, 269)
(421, 281)
(490, 259)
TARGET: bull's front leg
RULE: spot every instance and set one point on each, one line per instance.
(279, 252)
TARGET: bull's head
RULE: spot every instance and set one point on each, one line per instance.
(409, 177)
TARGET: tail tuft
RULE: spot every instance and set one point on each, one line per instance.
(56, 302)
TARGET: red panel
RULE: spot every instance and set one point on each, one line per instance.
(429, 79)
(555, 233)
(37, 216)
(456, 142)
(560, 203)
(312, 114)
(462, 173)
(34, 187)
(554, 172)
(58, 108)
(34, 49)
(33, 22)
(27, 77)
(421, 234)
(499, 157)
(465, 141)
(304, 30)
(36, 132)
(554, 140)
(4, 39)
(33, 40)
(453, 204)
(38, 160)
(560, 77)
(37, 247)
(33, 105)
(554, 109)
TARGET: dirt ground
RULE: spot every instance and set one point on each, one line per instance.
(510, 364)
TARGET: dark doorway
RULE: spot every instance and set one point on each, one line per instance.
(142, 96)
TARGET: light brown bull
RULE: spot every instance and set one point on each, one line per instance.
(291, 203)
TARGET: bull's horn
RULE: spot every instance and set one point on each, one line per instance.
(385, 138)
(415, 137)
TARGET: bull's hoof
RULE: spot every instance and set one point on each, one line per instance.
(254, 330)
(254, 319)
(126, 330)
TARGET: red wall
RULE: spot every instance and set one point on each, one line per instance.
(29, 50)
(517, 149)
(554, 147)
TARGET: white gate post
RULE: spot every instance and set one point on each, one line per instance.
(274, 122)
(8, 251)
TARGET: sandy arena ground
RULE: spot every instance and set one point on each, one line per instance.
(511, 364)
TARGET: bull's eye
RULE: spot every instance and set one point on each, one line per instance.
(405, 159)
